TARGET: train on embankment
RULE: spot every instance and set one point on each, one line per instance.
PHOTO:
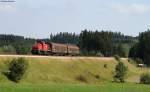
(50, 48)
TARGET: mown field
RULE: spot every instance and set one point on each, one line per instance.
(62, 74)
(74, 88)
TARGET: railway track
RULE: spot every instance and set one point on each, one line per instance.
(34, 56)
(59, 57)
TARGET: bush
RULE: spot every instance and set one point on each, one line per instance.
(16, 69)
(105, 66)
(7, 50)
(117, 58)
(120, 72)
(22, 49)
(138, 61)
(145, 78)
(99, 54)
(81, 78)
(97, 76)
(132, 61)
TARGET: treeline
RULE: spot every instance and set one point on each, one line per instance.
(100, 43)
(106, 43)
(141, 50)
(12, 44)
(65, 37)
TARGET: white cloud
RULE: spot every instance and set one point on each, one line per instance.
(132, 8)
(7, 7)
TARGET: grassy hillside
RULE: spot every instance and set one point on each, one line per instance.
(71, 70)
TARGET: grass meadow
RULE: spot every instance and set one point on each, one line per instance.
(60, 74)
(112, 87)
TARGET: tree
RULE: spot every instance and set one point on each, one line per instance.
(120, 72)
(142, 49)
(65, 37)
(134, 51)
(22, 49)
(12, 44)
(145, 78)
(95, 41)
(16, 69)
(123, 50)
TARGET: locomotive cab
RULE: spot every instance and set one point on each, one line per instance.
(40, 47)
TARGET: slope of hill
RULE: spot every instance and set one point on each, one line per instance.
(71, 70)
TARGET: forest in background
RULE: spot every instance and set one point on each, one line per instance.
(91, 43)
(12, 44)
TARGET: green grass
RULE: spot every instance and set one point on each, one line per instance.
(74, 88)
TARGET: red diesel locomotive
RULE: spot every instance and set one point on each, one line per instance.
(42, 48)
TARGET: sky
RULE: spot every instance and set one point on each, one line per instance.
(39, 18)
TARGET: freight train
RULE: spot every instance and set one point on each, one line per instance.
(43, 48)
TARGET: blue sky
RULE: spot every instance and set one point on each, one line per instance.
(39, 18)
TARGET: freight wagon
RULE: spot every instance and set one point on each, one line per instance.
(42, 48)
